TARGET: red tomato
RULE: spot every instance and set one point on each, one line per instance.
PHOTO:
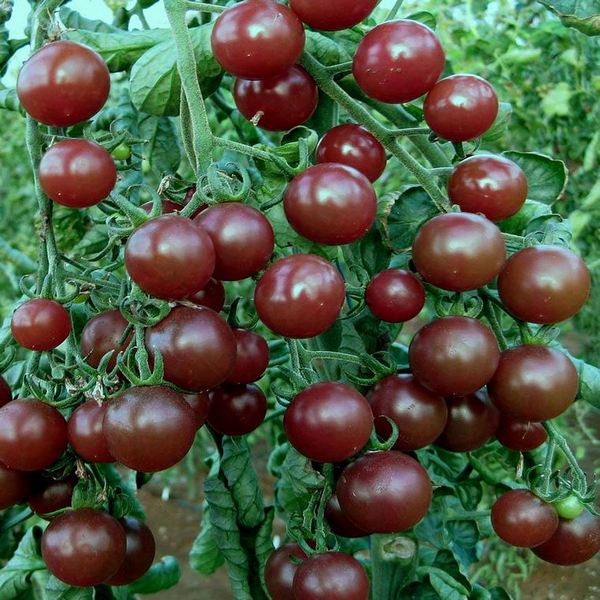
(522, 436)
(102, 334)
(85, 430)
(200, 405)
(252, 358)
(5, 392)
(395, 296)
(236, 409)
(280, 571)
(40, 324)
(339, 522)
(14, 487)
(211, 295)
(50, 495)
(334, 14)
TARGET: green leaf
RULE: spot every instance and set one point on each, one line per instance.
(519, 223)
(374, 254)
(495, 134)
(556, 102)
(263, 545)
(420, 591)
(498, 593)
(161, 576)
(495, 464)
(446, 586)
(583, 15)
(57, 590)
(423, 16)
(115, 480)
(15, 575)
(162, 149)
(73, 20)
(205, 556)
(325, 50)
(463, 533)
(589, 379)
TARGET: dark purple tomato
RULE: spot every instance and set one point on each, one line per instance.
(242, 237)
(40, 324)
(353, 146)
(328, 422)
(339, 522)
(149, 428)
(384, 492)
(300, 296)
(461, 107)
(331, 204)
(454, 356)
(278, 103)
(64, 83)
(200, 404)
(84, 547)
(170, 257)
(77, 173)
(197, 347)
(419, 414)
(534, 383)
(331, 576)
(574, 542)
(280, 571)
(459, 251)
(252, 358)
(257, 39)
(139, 553)
(398, 61)
(491, 185)
(5, 392)
(522, 436)
(333, 15)
(14, 487)
(395, 296)
(236, 409)
(33, 435)
(50, 495)
(544, 284)
(102, 334)
(211, 295)
(86, 432)
(167, 207)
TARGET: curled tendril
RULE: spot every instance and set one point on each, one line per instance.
(389, 443)
(228, 182)
(234, 319)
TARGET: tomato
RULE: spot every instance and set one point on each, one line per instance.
(395, 296)
(339, 522)
(574, 542)
(278, 103)
(328, 422)
(14, 487)
(461, 107)
(5, 392)
(149, 428)
(197, 347)
(454, 356)
(491, 185)
(398, 61)
(85, 430)
(472, 422)
(280, 571)
(459, 251)
(331, 204)
(167, 207)
(242, 237)
(534, 383)
(353, 146)
(211, 295)
(64, 83)
(50, 495)
(200, 405)
(33, 435)
(333, 15)
(523, 436)
(139, 553)
(104, 333)
(252, 358)
(569, 508)
(170, 257)
(384, 492)
(300, 296)
(419, 414)
(257, 39)
(40, 324)
(236, 409)
(331, 576)
(84, 547)
(77, 173)
(121, 152)
(523, 520)
(544, 284)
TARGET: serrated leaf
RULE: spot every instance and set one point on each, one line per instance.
(205, 556)
(583, 15)
(325, 50)
(15, 575)
(161, 576)
(162, 149)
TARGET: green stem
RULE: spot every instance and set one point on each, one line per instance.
(548, 462)
(557, 437)
(489, 310)
(203, 7)
(411, 131)
(394, 10)
(254, 153)
(393, 561)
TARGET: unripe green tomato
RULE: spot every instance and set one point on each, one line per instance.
(569, 508)
(121, 152)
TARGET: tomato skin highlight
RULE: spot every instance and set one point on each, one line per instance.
(40, 324)
(101, 334)
(522, 436)
(333, 15)
(85, 430)
(280, 571)
(237, 409)
(395, 296)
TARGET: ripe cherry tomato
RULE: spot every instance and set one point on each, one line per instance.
(85, 430)
(14, 487)
(384, 492)
(523, 520)
(77, 173)
(40, 324)
(491, 185)
(236, 409)
(257, 39)
(297, 286)
(64, 83)
(84, 547)
(454, 356)
(459, 251)
(522, 436)
(200, 404)
(398, 61)
(278, 103)
(331, 204)
(242, 237)
(461, 107)
(534, 383)
(280, 571)
(211, 295)
(197, 347)
(339, 522)
(419, 414)
(252, 358)
(334, 15)
(170, 257)
(544, 284)
(102, 334)
(353, 146)
(569, 508)
(50, 495)
(574, 542)
(139, 552)
(395, 296)
(149, 428)
(331, 576)
(33, 435)
(328, 422)
(5, 392)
